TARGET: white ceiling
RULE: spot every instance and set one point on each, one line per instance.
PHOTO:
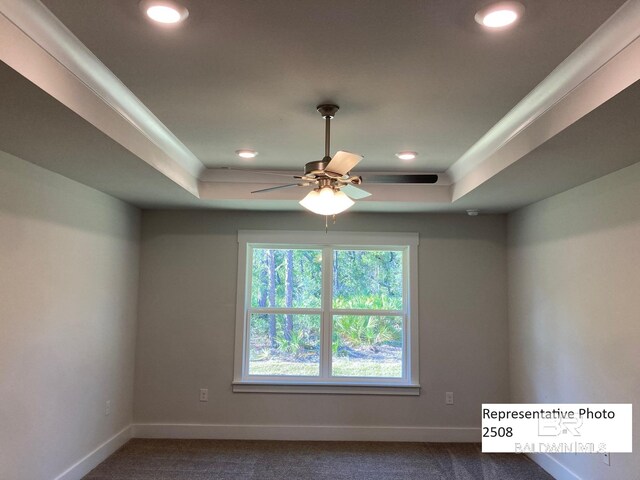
(417, 75)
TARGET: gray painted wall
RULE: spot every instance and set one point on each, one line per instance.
(574, 305)
(68, 297)
(187, 321)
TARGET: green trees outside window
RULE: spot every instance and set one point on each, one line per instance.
(367, 279)
(362, 303)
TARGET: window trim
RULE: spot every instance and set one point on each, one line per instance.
(407, 385)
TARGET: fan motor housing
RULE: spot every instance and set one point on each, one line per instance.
(316, 168)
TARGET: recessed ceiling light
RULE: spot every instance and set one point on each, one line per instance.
(247, 153)
(500, 15)
(164, 11)
(406, 155)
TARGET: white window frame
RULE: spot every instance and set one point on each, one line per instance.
(326, 241)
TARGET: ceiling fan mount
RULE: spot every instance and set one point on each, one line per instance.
(328, 110)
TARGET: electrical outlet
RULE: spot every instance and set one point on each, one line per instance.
(448, 398)
(107, 407)
(204, 395)
(606, 458)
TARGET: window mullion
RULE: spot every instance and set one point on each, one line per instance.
(327, 295)
(285, 311)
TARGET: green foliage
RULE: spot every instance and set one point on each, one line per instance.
(362, 367)
(301, 342)
(283, 367)
(342, 367)
(361, 278)
(305, 284)
(370, 302)
(367, 279)
(364, 331)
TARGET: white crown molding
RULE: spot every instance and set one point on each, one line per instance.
(307, 432)
(604, 65)
(78, 470)
(38, 46)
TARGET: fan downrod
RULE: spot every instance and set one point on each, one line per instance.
(327, 110)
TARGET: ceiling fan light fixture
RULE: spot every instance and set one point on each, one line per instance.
(406, 155)
(166, 12)
(326, 201)
(245, 153)
(500, 15)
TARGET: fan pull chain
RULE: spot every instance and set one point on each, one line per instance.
(326, 223)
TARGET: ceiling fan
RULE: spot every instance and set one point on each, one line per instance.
(334, 185)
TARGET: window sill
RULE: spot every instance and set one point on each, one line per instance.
(326, 388)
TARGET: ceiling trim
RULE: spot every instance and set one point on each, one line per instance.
(38, 46)
(237, 184)
(238, 175)
(390, 193)
(604, 65)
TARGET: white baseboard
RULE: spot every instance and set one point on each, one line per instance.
(553, 466)
(93, 459)
(306, 432)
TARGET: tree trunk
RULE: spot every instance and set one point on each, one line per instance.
(336, 279)
(271, 264)
(264, 282)
(288, 294)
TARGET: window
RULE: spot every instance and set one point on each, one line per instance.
(327, 312)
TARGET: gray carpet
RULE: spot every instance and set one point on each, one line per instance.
(142, 459)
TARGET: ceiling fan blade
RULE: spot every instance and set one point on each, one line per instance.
(343, 162)
(407, 178)
(279, 187)
(355, 192)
